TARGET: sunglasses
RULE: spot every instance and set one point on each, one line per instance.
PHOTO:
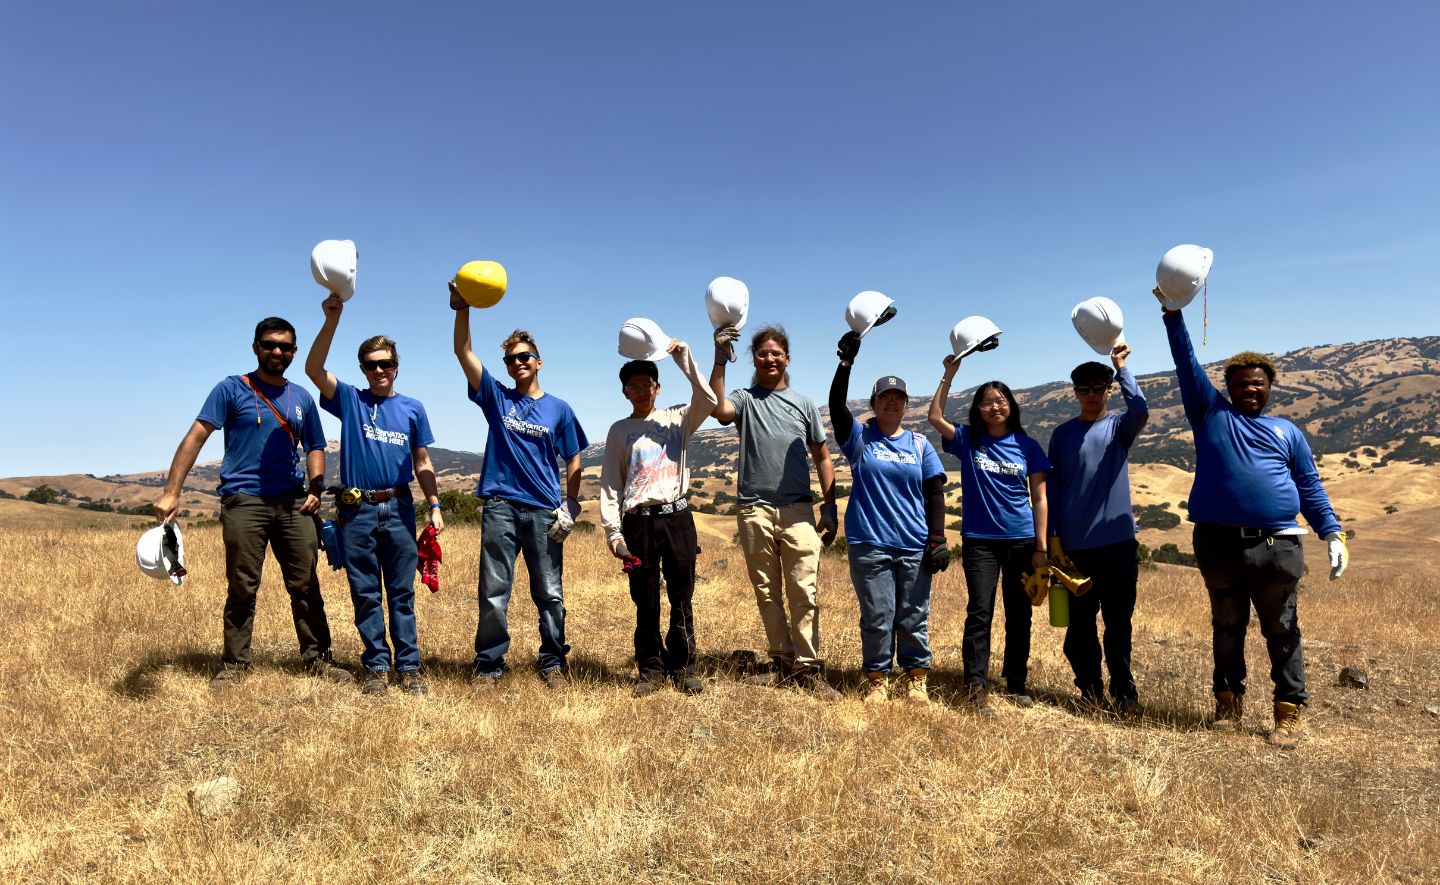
(522, 357)
(282, 346)
(373, 365)
(1092, 388)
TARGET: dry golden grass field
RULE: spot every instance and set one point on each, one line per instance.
(107, 721)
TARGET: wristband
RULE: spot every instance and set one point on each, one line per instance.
(436, 506)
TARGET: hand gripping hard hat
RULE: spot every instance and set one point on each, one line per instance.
(641, 339)
(481, 283)
(974, 334)
(727, 301)
(868, 310)
(1181, 274)
(160, 553)
(1100, 322)
(333, 264)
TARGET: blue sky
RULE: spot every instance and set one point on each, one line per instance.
(166, 167)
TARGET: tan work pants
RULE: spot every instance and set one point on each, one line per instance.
(782, 554)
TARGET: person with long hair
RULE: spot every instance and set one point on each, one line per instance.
(894, 530)
(1002, 488)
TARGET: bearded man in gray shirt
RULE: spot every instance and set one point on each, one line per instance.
(779, 428)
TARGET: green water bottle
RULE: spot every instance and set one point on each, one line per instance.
(1059, 605)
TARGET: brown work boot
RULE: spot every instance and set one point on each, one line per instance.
(1289, 725)
(228, 677)
(912, 685)
(980, 701)
(1228, 709)
(877, 687)
(778, 673)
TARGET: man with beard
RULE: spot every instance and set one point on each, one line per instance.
(264, 499)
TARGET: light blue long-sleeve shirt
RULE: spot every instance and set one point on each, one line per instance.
(1088, 487)
(1256, 472)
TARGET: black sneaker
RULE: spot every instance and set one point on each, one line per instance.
(644, 688)
(1129, 709)
(1020, 698)
(690, 684)
(411, 682)
(980, 701)
(375, 682)
(812, 679)
(325, 668)
(228, 677)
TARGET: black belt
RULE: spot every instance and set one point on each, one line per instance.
(663, 509)
(374, 496)
(1243, 531)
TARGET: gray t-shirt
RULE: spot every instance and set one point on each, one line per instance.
(777, 428)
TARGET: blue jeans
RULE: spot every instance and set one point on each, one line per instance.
(508, 529)
(894, 592)
(379, 542)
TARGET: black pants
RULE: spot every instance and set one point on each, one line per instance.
(1264, 572)
(1115, 570)
(987, 562)
(250, 523)
(665, 545)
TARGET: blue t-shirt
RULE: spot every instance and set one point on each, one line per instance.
(1254, 472)
(526, 438)
(887, 498)
(378, 436)
(1088, 487)
(995, 484)
(260, 457)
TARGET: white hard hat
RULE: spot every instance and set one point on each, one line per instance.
(1181, 274)
(867, 310)
(972, 334)
(1100, 322)
(727, 301)
(160, 553)
(641, 339)
(333, 264)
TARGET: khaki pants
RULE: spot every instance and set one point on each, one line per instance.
(782, 554)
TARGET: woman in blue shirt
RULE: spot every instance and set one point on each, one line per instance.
(1002, 489)
(894, 529)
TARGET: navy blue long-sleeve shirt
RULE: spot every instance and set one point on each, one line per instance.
(1089, 482)
(1256, 472)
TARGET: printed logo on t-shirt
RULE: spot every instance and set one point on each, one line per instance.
(893, 457)
(390, 437)
(1005, 468)
(525, 427)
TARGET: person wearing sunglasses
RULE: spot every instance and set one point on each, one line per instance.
(1253, 474)
(1002, 488)
(1092, 527)
(647, 518)
(530, 431)
(384, 444)
(273, 441)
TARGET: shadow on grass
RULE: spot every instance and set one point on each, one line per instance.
(142, 681)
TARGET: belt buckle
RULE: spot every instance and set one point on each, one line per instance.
(351, 496)
(1251, 534)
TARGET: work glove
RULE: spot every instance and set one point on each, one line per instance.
(456, 302)
(1339, 554)
(725, 338)
(829, 523)
(1037, 585)
(849, 347)
(628, 562)
(564, 520)
(937, 554)
(1058, 557)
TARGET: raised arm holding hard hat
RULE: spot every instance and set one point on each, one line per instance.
(525, 512)
(1253, 473)
(264, 499)
(384, 443)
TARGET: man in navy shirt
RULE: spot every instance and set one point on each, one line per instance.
(1092, 526)
(263, 498)
(1253, 473)
(384, 440)
(530, 431)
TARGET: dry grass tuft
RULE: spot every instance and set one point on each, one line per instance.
(107, 721)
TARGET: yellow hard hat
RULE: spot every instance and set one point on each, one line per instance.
(481, 283)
